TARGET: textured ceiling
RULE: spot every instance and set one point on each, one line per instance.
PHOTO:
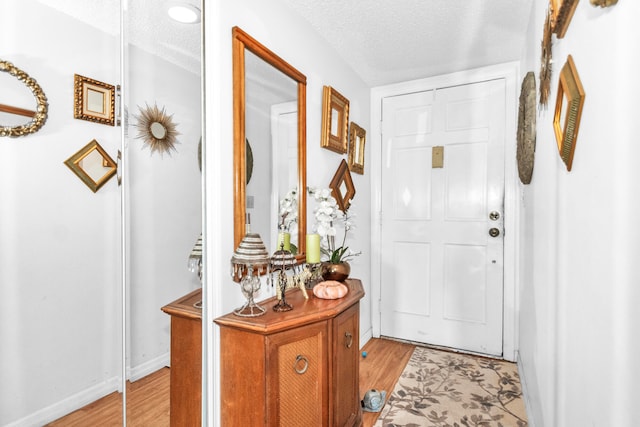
(388, 41)
(385, 41)
(148, 26)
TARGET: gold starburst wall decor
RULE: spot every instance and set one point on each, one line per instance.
(545, 61)
(157, 129)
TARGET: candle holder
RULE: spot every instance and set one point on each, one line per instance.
(281, 261)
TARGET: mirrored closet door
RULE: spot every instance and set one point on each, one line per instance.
(162, 187)
(88, 256)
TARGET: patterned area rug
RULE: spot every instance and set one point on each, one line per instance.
(445, 389)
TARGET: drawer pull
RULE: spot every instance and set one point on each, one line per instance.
(349, 337)
(305, 364)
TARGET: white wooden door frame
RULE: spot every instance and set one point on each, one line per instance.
(509, 72)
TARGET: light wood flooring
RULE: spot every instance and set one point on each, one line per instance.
(148, 398)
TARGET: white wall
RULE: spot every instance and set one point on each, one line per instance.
(579, 254)
(59, 242)
(164, 206)
(60, 246)
(288, 36)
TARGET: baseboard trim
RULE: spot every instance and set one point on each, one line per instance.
(525, 392)
(364, 338)
(68, 405)
(149, 367)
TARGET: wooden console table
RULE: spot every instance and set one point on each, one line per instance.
(298, 368)
(186, 360)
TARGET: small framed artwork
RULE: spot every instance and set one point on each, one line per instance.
(94, 101)
(335, 121)
(562, 11)
(566, 120)
(604, 3)
(342, 188)
(92, 165)
(357, 138)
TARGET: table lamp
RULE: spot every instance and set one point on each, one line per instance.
(248, 260)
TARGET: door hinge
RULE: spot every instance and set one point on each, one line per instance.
(118, 103)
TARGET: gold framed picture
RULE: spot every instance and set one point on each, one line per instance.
(342, 188)
(604, 3)
(562, 12)
(335, 120)
(569, 103)
(92, 165)
(94, 101)
(357, 138)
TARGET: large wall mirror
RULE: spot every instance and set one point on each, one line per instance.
(269, 142)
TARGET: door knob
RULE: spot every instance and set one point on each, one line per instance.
(494, 215)
(494, 232)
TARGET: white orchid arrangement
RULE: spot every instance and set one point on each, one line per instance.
(328, 215)
(288, 210)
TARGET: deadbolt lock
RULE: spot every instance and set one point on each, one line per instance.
(494, 232)
(494, 215)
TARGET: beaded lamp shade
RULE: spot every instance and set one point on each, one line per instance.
(250, 251)
(282, 259)
(247, 261)
(195, 258)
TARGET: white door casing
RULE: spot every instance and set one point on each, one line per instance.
(456, 304)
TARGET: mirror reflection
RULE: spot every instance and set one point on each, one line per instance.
(95, 101)
(164, 207)
(21, 97)
(271, 126)
(157, 130)
(270, 118)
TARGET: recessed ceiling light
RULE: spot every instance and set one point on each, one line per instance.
(184, 13)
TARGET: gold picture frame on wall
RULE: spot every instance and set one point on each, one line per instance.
(92, 165)
(569, 103)
(335, 121)
(342, 188)
(562, 12)
(94, 101)
(357, 139)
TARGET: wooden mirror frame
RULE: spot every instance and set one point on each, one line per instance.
(242, 41)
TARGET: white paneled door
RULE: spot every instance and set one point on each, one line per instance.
(442, 216)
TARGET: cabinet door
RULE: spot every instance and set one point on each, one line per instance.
(297, 387)
(346, 342)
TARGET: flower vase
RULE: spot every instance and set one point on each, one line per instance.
(336, 271)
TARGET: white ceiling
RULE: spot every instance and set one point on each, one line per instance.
(148, 26)
(388, 41)
(385, 41)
